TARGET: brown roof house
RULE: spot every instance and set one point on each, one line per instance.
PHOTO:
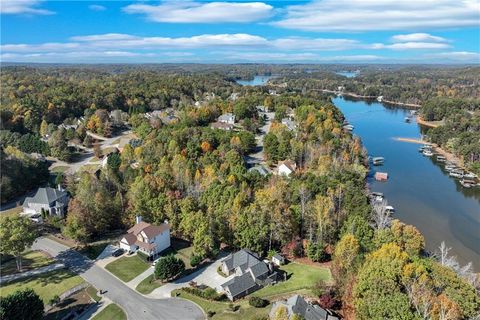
(147, 238)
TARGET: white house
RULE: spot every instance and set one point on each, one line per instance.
(278, 259)
(147, 238)
(286, 167)
(52, 201)
(227, 118)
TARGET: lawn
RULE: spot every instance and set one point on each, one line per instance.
(92, 292)
(222, 309)
(31, 260)
(127, 268)
(13, 211)
(46, 285)
(59, 169)
(148, 285)
(301, 277)
(93, 250)
(111, 312)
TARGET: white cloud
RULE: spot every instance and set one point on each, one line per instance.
(196, 12)
(104, 37)
(363, 15)
(455, 56)
(297, 57)
(417, 37)
(314, 44)
(411, 46)
(96, 7)
(22, 7)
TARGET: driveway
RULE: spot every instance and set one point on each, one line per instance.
(135, 305)
(258, 156)
(207, 276)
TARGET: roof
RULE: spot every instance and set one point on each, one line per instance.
(239, 284)
(45, 196)
(221, 125)
(243, 259)
(226, 117)
(278, 257)
(260, 169)
(130, 238)
(150, 230)
(259, 269)
(289, 164)
(299, 306)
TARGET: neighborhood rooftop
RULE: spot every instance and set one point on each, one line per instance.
(45, 196)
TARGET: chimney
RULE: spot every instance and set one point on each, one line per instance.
(59, 187)
(138, 219)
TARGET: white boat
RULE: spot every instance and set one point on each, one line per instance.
(427, 153)
(467, 183)
(377, 161)
(456, 174)
(441, 158)
(390, 209)
(450, 167)
(349, 127)
(470, 175)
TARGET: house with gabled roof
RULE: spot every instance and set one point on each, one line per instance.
(52, 201)
(147, 238)
(251, 273)
(296, 305)
(286, 167)
(227, 118)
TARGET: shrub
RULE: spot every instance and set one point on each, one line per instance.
(24, 304)
(257, 302)
(319, 288)
(195, 260)
(55, 299)
(316, 252)
(168, 268)
(208, 294)
(210, 313)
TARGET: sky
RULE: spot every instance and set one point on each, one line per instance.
(176, 31)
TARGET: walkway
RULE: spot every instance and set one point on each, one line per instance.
(16, 276)
(134, 304)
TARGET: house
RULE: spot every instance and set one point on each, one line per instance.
(297, 305)
(53, 201)
(278, 259)
(251, 274)
(289, 123)
(146, 238)
(222, 126)
(227, 118)
(286, 167)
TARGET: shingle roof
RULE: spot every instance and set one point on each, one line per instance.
(243, 259)
(259, 269)
(299, 306)
(239, 284)
(130, 238)
(150, 230)
(45, 196)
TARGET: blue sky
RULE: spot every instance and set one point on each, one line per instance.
(319, 31)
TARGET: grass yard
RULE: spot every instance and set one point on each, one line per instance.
(222, 309)
(92, 292)
(31, 260)
(148, 285)
(93, 250)
(183, 251)
(111, 312)
(302, 277)
(127, 268)
(46, 285)
(13, 211)
(59, 169)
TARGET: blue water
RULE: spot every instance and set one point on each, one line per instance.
(420, 190)
(256, 81)
(348, 74)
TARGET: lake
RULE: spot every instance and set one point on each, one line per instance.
(348, 74)
(418, 187)
(256, 81)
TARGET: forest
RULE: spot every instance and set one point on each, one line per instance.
(197, 178)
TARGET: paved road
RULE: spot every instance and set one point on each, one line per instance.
(15, 276)
(258, 156)
(135, 305)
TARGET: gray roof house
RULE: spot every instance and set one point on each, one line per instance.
(297, 305)
(53, 201)
(251, 273)
(227, 118)
(289, 123)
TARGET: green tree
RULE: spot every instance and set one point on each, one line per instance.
(168, 268)
(16, 234)
(21, 305)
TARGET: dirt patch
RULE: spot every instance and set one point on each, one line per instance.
(75, 304)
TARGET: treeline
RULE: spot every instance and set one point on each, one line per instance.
(460, 131)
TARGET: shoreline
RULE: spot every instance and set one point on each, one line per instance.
(354, 95)
(430, 124)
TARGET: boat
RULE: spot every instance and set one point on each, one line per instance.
(470, 175)
(377, 161)
(421, 149)
(441, 158)
(376, 196)
(381, 176)
(390, 209)
(450, 167)
(427, 153)
(456, 174)
(348, 127)
(467, 183)
(407, 120)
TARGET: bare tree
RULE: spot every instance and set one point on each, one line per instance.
(304, 197)
(381, 216)
(466, 272)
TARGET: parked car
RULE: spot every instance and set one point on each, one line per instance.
(118, 252)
